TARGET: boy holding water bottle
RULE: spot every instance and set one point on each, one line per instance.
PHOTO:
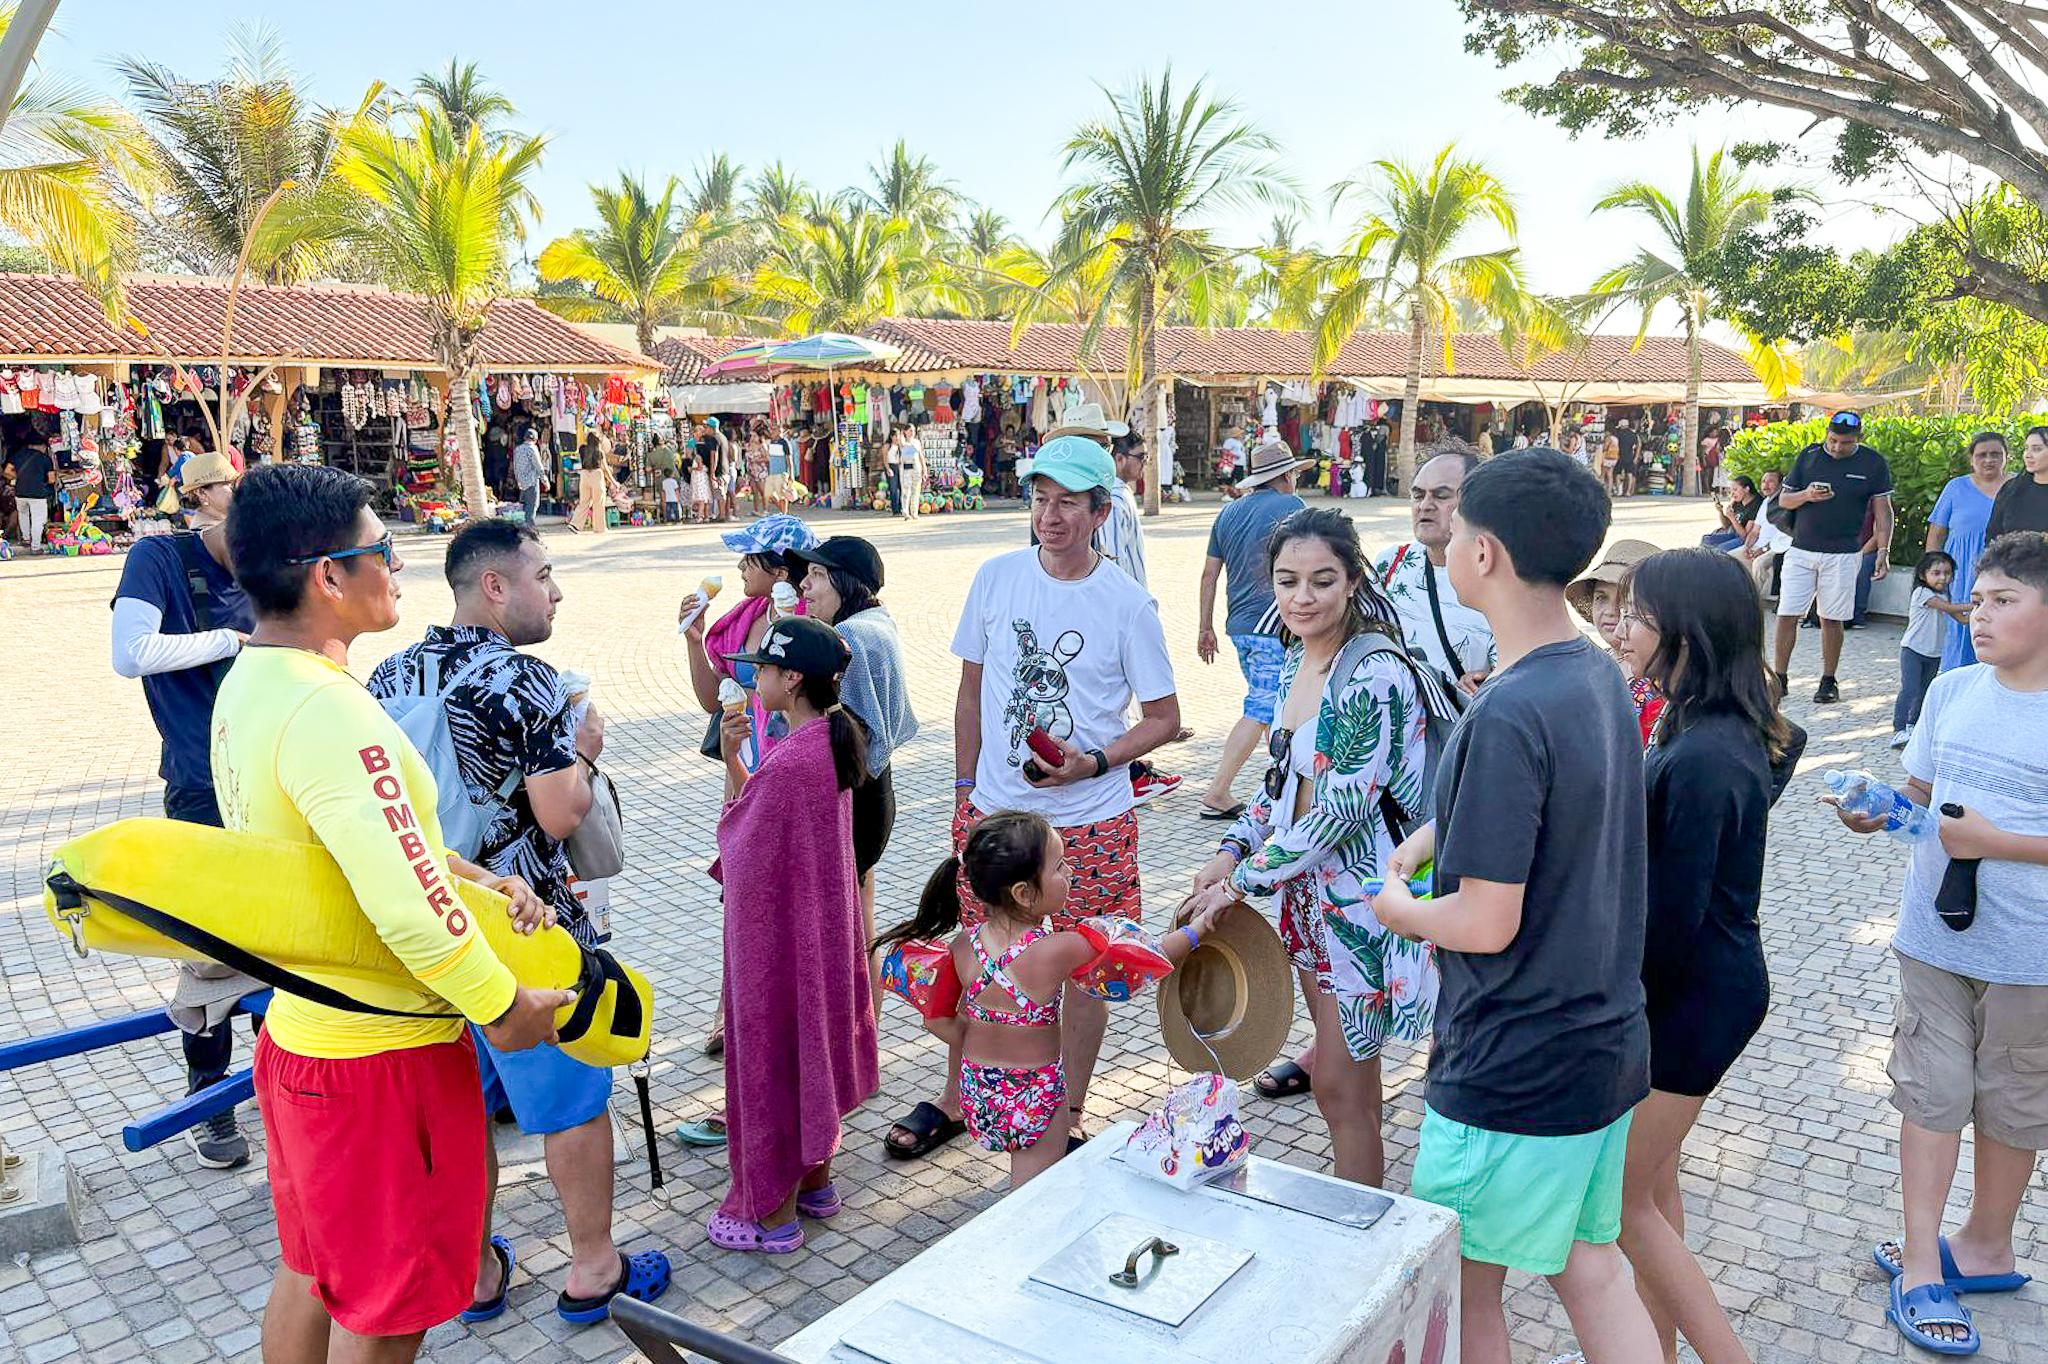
(1971, 1043)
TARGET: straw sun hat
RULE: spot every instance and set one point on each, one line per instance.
(1229, 1006)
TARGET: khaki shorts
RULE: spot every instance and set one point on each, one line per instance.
(1965, 1051)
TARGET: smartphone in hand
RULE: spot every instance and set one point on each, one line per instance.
(1043, 746)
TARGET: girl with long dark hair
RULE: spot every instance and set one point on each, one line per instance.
(1347, 755)
(1013, 1088)
(799, 1026)
(1692, 624)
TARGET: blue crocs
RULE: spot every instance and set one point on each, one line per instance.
(489, 1309)
(643, 1277)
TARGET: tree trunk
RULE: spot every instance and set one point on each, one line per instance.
(1689, 429)
(643, 332)
(1148, 360)
(1411, 400)
(462, 417)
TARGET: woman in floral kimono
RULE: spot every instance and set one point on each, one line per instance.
(1347, 755)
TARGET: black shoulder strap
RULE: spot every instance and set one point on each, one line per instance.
(598, 966)
(192, 556)
(70, 894)
(1436, 613)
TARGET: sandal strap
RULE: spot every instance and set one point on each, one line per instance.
(1934, 1304)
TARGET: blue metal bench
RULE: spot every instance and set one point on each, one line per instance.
(165, 1122)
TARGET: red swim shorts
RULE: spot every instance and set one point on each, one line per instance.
(377, 1175)
(1102, 858)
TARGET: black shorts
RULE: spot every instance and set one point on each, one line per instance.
(874, 817)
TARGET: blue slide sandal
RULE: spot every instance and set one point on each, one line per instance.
(1887, 1259)
(1932, 1304)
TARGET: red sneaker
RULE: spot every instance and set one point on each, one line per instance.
(1151, 783)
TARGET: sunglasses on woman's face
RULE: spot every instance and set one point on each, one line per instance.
(1277, 746)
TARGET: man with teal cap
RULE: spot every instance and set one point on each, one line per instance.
(1054, 643)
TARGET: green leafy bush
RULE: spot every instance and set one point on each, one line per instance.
(1924, 453)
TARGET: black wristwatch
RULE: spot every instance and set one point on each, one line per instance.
(1101, 760)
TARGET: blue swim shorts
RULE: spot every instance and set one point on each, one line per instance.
(547, 1089)
(1259, 657)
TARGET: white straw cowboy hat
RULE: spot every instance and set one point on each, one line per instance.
(1229, 1005)
(1268, 462)
(1087, 419)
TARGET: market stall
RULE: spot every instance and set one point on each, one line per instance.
(335, 374)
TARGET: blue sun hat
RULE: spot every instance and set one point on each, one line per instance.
(771, 535)
(1075, 463)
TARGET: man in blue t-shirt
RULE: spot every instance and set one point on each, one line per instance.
(1237, 547)
(179, 621)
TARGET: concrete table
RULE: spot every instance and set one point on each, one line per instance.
(1094, 1261)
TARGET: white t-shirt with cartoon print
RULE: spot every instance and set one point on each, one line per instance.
(1067, 657)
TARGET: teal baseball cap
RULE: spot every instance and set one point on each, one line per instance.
(1075, 463)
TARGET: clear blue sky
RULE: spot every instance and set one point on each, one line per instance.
(989, 92)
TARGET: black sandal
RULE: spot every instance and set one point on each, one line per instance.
(929, 1128)
(1283, 1081)
(1208, 811)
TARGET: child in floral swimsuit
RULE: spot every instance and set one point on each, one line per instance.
(1012, 1085)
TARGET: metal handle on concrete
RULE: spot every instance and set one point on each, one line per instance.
(1127, 1277)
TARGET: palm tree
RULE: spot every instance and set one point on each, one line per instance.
(69, 166)
(1149, 171)
(911, 188)
(221, 147)
(845, 272)
(1286, 277)
(464, 98)
(436, 214)
(1406, 251)
(641, 264)
(715, 189)
(984, 243)
(777, 192)
(1719, 202)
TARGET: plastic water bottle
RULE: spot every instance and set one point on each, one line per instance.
(1863, 794)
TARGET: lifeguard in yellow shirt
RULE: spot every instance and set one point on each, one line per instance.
(374, 1123)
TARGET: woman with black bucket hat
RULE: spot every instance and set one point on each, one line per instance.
(840, 578)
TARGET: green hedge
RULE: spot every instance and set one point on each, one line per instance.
(1924, 452)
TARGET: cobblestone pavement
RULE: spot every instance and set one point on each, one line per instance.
(1790, 1177)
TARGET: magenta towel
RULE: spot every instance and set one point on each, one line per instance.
(800, 1050)
(728, 635)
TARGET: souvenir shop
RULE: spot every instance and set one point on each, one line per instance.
(1346, 430)
(972, 428)
(567, 412)
(117, 421)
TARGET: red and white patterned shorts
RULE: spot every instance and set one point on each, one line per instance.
(1101, 857)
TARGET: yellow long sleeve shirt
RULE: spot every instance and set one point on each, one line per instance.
(301, 751)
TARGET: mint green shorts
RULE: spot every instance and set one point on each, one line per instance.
(1522, 1201)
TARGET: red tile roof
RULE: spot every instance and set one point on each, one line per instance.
(49, 317)
(1227, 352)
(683, 358)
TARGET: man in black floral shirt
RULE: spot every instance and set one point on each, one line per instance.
(511, 717)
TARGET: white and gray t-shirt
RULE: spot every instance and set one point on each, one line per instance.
(1985, 747)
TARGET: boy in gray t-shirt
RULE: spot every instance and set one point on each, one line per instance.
(1971, 1042)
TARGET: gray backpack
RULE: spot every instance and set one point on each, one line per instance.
(423, 715)
(1440, 707)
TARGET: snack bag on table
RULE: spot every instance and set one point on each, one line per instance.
(1195, 1137)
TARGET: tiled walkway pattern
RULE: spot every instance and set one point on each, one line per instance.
(1790, 1177)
